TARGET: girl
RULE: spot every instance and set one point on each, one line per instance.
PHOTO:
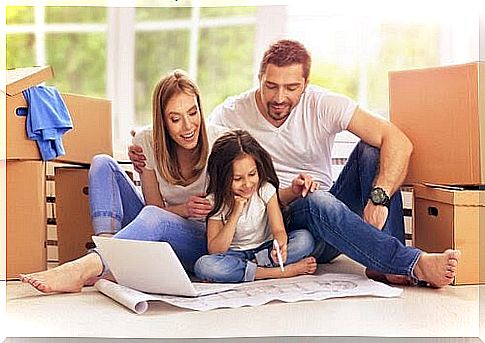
(171, 208)
(246, 217)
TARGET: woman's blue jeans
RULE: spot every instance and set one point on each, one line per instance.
(241, 265)
(335, 219)
(118, 207)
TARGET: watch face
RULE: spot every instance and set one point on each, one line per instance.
(377, 196)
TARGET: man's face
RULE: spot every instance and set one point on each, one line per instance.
(280, 90)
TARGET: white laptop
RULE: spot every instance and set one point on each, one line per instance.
(151, 267)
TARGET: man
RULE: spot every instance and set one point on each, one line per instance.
(361, 214)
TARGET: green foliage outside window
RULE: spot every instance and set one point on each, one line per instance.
(156, 53)
(227, 11)
(335, 78)
(162, 13)
(20, 50)
(225, 63)
(19, 15)
(75, 14)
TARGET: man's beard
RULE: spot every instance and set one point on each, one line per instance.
(278, 116)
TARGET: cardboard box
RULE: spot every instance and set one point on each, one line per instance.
(26, 217)
(442, 111)
(74, 228)
(91, 117)
(446, 218)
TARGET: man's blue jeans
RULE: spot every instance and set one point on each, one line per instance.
(118, 207)
(335, 219)
(241, 265)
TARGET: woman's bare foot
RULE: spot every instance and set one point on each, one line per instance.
(307, 265)
(69, 277)
(437, 269)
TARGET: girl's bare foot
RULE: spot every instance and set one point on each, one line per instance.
(437, 269)
(307, 265)
(69, 277)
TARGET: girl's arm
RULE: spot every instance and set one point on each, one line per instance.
(220, 235)
(277, 225)
(149, 187)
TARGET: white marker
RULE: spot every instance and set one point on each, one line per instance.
(278, 254)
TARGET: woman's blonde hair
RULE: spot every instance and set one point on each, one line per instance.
(175, 83)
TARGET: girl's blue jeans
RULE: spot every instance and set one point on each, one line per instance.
(241, 265)
(117, 207)
(335, 219)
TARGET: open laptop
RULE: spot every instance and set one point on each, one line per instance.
(151, 267)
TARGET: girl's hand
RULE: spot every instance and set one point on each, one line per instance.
(282, 241)
(303, 184)
(239, 204)
(197, 207)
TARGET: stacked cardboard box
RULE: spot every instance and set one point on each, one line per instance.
(26, 173)
(442, 111)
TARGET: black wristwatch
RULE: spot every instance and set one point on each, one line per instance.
(378, 196)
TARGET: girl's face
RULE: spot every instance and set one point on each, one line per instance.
(245, 178)
(182, 118)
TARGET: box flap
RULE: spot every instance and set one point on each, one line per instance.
(20, 79)
(448, 195)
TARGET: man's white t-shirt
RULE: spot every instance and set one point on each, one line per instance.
(174, 194)
(252, 228)
(303, 144)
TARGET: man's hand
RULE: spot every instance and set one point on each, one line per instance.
(375, 215)
(303, 184)
(135, 153)
(197, 207)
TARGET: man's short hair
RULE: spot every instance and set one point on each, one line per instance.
(284, 53)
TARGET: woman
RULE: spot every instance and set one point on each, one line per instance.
(171, 209)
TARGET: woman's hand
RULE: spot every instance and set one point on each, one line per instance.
(197, 207)
(303, 184)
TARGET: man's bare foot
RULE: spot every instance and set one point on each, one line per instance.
(69, 277)
(388, 278)
(437, 269)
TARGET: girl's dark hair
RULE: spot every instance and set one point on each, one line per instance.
(226, 149)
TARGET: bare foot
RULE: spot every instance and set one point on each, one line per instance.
(69, 277)
(437, 269)
(307, 265)
(388, 278)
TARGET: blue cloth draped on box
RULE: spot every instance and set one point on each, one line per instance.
(47, 120)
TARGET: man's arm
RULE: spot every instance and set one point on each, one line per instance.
(395, 147)
(395, 151)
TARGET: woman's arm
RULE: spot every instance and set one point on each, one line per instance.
(149, 187)
(277, 225)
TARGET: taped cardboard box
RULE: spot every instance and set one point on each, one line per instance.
(91, 119)
(26, 217)
(448, 218)
(442, 111)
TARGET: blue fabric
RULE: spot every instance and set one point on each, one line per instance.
(116, 206)
(335, 220)
(238, 266)
(47, 120)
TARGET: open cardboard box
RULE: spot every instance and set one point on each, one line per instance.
(450, 217)
(91, 117)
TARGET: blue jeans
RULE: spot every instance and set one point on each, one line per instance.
(335, 219)
(241, 265)
(118, 207)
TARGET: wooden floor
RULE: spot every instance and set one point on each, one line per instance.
(419, 312)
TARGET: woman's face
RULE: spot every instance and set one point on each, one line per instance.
(182, 118)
